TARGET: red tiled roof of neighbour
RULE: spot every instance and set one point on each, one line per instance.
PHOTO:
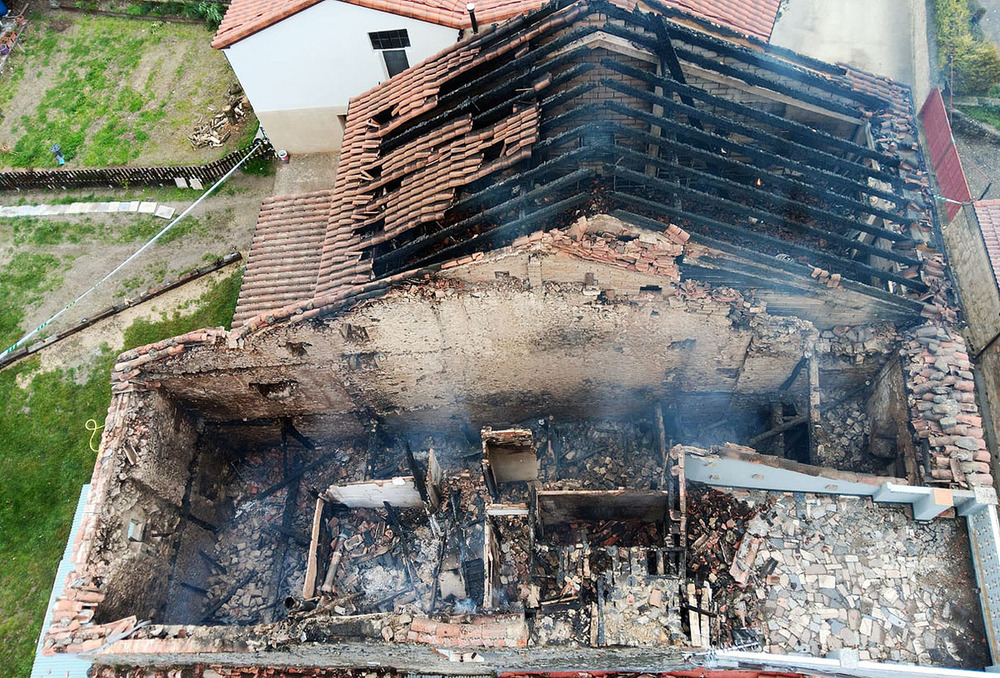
(988, 215)
(285, 254)
(754, 18)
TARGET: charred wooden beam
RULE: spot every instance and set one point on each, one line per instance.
(781, 203)
(789, 185)
(777, 218)
(765, 158)
(492, 114)
(780, 146)
(804, 133)
(751, 79)
(740, 233)
(777, 430)
(394, 259)
(531, 220)
(504, 89)
(754, 274)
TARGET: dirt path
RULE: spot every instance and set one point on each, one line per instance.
(221, 224)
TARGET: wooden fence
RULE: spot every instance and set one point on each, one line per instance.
(112, 177)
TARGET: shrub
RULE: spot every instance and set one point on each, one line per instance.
(971, 62)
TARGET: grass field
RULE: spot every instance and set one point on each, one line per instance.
(45, 454)
(111, 91)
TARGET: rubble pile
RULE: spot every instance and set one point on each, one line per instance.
(380, 568)
(858, 344)
(843, 441)
(841, 572)
(943, 408)
(515, 559)
(720, 542)
(602, 456)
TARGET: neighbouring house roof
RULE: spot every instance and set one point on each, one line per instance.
(754, 18)
(528, 122)
(285, 254)
(988, 215)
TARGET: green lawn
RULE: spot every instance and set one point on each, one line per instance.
(45, 455)
(111, 91)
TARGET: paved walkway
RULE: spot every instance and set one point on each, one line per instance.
(134, 206)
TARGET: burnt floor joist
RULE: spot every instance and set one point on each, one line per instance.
(766, 141)
(766, 159)
(803, 134)
(854, 269)
(780, 203)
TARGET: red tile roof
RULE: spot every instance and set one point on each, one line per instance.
(285, 254)
(246, 17)
(988, 215)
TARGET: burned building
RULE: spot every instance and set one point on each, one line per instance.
(623, 342)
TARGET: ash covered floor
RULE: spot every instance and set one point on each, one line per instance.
(843, 572)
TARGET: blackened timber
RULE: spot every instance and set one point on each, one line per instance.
(479, 102)
(491, 238)
(855, 267)
(754, 276)
(517, 65)
(811, 156)
(780, 202)
(712, 27)
(802, 132)
(759, 81)
(391, 259)
(742, 210)
(491, 114)
(780, 68)
(567, 95)
(761, 156)
(788, 184)
(748, 78)
(506, 187)
(668, 58)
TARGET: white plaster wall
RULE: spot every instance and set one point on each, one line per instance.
(322, 56)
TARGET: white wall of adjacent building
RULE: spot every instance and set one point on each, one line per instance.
(301, 72)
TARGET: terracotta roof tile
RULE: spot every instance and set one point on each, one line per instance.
(988, 215)
(246, 17)
(285, 254)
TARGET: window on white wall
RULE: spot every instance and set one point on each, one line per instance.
(392, 46)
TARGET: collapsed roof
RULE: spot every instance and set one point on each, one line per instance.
(788, 174)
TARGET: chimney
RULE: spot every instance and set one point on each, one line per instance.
(471, 7)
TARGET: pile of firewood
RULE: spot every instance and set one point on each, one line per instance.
(218, 130)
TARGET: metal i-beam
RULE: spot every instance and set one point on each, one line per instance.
(788, 184)
(766, 158)
(815, 136)
(782, 203)
(778, 145)
(764, 215)
(743, 233)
